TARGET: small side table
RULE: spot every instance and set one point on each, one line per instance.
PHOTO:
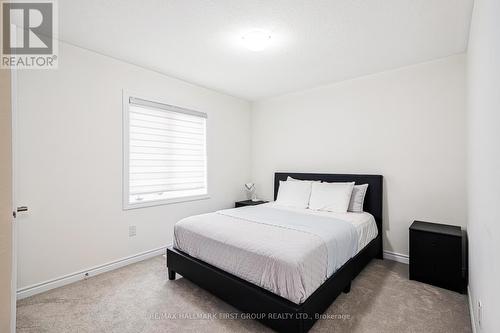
(248, 203)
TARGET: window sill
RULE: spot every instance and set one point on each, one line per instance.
(128, 206)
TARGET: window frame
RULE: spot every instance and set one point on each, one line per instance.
(126, 157)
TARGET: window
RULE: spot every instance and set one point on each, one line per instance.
(165, 156)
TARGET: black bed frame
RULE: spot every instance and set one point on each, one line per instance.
(269, 308)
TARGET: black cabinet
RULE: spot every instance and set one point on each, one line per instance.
(438, 255)
(248, 203)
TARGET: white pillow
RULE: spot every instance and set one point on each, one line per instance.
(332, 197)
(294, 194)
(290, 179)
(357, 198)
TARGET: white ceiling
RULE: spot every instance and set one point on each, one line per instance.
(314, 42)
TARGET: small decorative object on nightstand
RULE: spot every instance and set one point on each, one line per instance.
(251, 194)
(438, 255)
(248, 203)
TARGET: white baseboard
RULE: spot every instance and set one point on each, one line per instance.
(471, 311)
(402, 258)
(81, 275)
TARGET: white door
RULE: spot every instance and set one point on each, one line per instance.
(14, 198)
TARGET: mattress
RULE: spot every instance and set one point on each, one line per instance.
(287, 251)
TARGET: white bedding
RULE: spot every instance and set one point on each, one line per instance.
(288, 251)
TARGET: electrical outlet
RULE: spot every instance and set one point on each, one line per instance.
(132, 230)
(479, 313)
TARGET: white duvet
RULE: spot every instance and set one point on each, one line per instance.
(289, 252)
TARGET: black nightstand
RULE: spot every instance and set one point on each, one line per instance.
(438, 255)
(248, 203)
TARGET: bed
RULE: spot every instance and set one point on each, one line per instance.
(277, 262)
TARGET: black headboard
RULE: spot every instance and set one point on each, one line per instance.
(373, 198)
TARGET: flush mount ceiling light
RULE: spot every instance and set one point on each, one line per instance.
(256, 40)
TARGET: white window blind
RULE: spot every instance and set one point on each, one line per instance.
(166, 153)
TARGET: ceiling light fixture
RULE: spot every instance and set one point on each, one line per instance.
(256, 40)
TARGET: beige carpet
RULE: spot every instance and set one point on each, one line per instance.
(139, 298)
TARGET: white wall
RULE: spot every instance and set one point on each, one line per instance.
(407, 125)
(483, 71)
(70, 163)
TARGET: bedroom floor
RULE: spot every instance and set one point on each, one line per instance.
(139, 298)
